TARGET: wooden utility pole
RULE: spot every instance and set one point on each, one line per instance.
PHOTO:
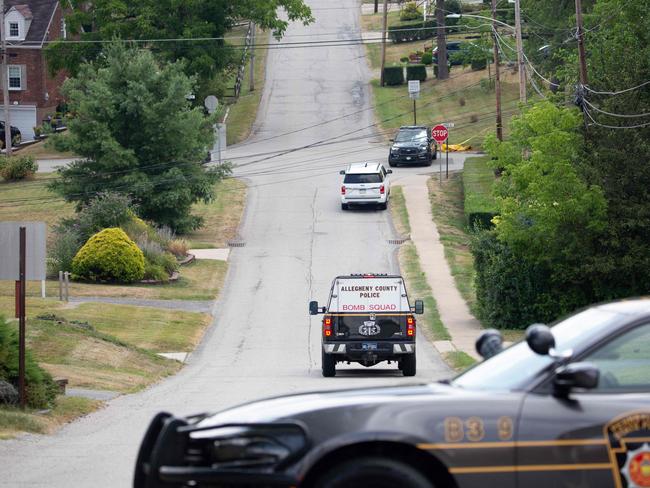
(441, 41)
(376, 6)
(520, 53)
(5, 78)
(497, 79)
(383, 42)
(581, 44)
(252, 48)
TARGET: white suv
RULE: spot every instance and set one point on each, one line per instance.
(365, 184)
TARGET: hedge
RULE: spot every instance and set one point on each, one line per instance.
(393, 75)
(412, 31)
(479, 204)
(109, 255)
(416, 72)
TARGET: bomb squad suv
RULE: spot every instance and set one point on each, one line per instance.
(567, 407)
(412, 145)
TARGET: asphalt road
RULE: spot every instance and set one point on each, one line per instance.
(262, 342)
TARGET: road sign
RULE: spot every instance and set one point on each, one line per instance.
(414, 89)
(9, 250)
(439, 133)
(211, 103)
(449, 125)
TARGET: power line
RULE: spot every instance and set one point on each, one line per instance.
(594, 122)
(595, 92)
(631, 116)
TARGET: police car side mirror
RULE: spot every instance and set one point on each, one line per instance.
(489, 343)
(575, 375)
(419, 307)
(342, 172)
(389, 171)
(540, 339)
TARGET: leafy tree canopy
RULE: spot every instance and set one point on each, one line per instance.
(102, 20)
(138, 136)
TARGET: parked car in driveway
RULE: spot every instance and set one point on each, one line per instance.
(365, 184)
(567, 407)
(16, 136)
(412, 145)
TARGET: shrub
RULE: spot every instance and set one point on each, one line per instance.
(473, 118)
(393, 75)
(40, 388)
(410, 12)
(104, 211)
(62, 251)
(178, 247)
(416, 72)
(109, 255)
(487, 85)
(412, 31)
(427, 58)
(155, 272)
(404, 59)
(164, 235)
(478, 64)
(155, 254)
(17, 168)
(462, 101)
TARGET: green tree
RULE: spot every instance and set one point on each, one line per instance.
(146, 20)
(137, 136)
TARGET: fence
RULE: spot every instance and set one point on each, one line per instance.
(242, 66)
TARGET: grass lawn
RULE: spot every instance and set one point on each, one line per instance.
(30, 200)
(415, 278)
(222, 215)
(42, 150)
(375, 22)
(14, 421)
(243, 112)
(447, 210)
(460, 99)
(200, 280)
(478, 180)
(459, 360)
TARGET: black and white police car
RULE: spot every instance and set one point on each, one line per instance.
(567, 407)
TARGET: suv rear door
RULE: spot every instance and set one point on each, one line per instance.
(363, 185)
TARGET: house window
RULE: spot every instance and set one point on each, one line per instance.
(13, 29)
(15, 78)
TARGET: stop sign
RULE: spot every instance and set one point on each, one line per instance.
(439, 133)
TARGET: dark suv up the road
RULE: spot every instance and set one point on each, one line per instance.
(412, 145)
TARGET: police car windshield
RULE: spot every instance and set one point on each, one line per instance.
(518, 365)
(362, 178)
(413, 135)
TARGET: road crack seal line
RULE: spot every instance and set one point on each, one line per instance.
(310, 279)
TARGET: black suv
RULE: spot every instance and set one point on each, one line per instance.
(15, 135)
(412, 145)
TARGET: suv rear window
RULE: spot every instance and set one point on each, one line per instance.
(362, 178)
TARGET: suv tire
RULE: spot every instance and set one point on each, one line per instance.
(328, 364)
(344, 206)
(377, 472)
(408, 365)
(392, 165)
(383, 206)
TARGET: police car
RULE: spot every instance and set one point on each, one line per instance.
(567, 407)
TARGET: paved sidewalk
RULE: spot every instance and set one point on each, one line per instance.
(454, 312)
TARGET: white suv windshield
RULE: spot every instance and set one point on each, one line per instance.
(362, 178)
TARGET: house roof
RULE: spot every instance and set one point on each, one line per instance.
(40, 11)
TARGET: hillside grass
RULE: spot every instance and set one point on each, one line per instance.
(478, 182)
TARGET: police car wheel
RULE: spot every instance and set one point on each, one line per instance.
(344, 206)
(408, 365)
(376, 472)
(328, 365)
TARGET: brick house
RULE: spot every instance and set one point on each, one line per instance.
(33, 93)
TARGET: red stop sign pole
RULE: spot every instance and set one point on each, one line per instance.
(440, 133)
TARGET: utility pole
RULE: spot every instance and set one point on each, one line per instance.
(520, 53)
(497, 79)
(5, 79)
(252, 48)
(441, 41)
(383, 42)
(376, 6)
(581, 44)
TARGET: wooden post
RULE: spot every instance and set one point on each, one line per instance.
(21, 320)
(520, 54)
(383, 43)
(441, 41)
(497, 79)
(5, 79)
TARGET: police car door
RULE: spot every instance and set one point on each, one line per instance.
(592, 438)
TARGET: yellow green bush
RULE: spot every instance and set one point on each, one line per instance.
(109, 255)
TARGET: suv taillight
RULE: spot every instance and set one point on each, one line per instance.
(382, 189)
(343, 190)
(410, 326)
(327, 326)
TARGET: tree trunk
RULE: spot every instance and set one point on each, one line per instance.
(441, 39)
